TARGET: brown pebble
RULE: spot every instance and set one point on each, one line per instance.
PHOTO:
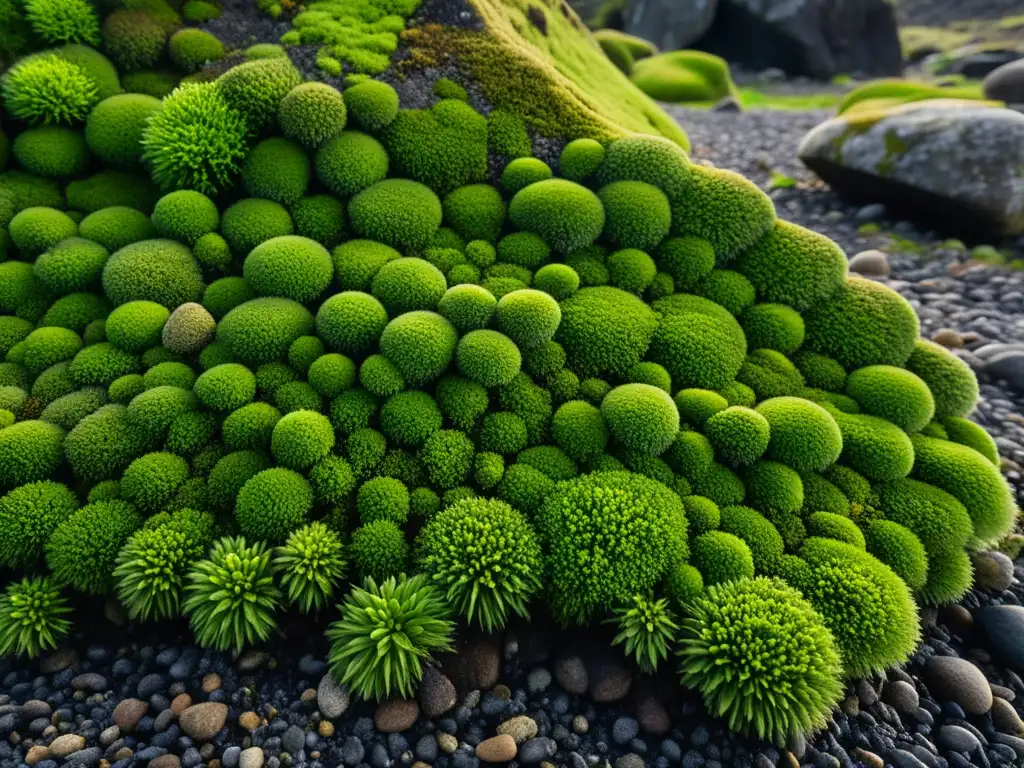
(308, 696)
(165, 761)
(250, 721)
(789, 759)
(104, 763)
(420, 764)
(123, 753)
(36, 754)
(326, 728)
(211, 682)
(181, 702)
(396, 715)
(502, 692)
(948, 338)
(447, 743)
(271, 713)
(1005, 717)
(497, 749)
(870, 759)
(215, 763)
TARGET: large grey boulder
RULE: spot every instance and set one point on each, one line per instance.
(1006, 83)
(817, 38)
(669, 24)
(956, 164)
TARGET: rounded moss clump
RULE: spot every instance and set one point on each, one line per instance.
(396, 212)
(829, 525)
(379, 550)
(102, 444)
(372, 105)
(332, 374)
(137, 325)
(739, 435)
(420, 344)
(475, 212)
(969, 477)
(568, 216)
(698, 350)
(185, 216)
(973, 436)
(447, 456)
(773, 326)
(528, 317)
(226, 387)
(580, 159)
(302, 438)
(866, 606)
(161, 271)
(312, 113)
(351, 322)
(291, 267)
(899, 549)
(273, 503)
(115, 227)
(276, 169)
(488, 358)
(631, 270)
(637, 215)
(351, 161)
(250, 426)
(380, 377)
(320, 218)
(773, 488)
(874, 447)
(608, 535)
(696, 406)
(51, 151)
(721, 557)
(261, 330)
(47, 89)
(687, 259)
(383, 498)
(467, 307)
(35, 230)
(579, 429)
(702, 515)
(133, 39)
(605, 330)
(559, 280)
(257, 88)
(728, 289)
(803, 435)
(150, 481)
(503, 433)
(82, 552)
(252, 221)
(192, 48)
(762, 659)
(29, 451)
(950, 379)
(409, 418)
(763, 539)
(522, 172)
(820, 372)
(29, 514)
(894, 394)
(863, 323)
(408, 284)
(641, 418)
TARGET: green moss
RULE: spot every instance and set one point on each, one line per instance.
(682, 76)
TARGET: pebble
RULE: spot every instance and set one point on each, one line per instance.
(870, 759)
(352, 751)
(958, 739)
(62, 658)
(35, 754)
(538, 680)
(992, 570)
(1005, 717)
(624, 730)
(520, 728)
(497, 749)
(64, 745)
(293, 740)
(536, 750)
(1004, 627)
(251, 758)
(447, 743)
(871, 263)
(250, 721)
(436, 693)
(959, 681)
(332, 698)
(165, 761)
(90, 681)
(180, 703)
(326, 729)
(571, 674)
(203, 721)
(901, 696)
(396, 715)
(610, 681)
(211, 683)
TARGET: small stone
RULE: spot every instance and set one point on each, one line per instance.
(180, 703)
(250, 721)
(580, 724)
(447, 743)
(1005, 717)
(870, 759)
(497, 749)
(624, 730)
(520, 728)
(35, 754)
(958, 739)
(211, 682)
(1004, 626)
(871, 263)
(436, 693)
(538, 680)
(537, 750)
(902, 697)
(203, 721)
(326, 729)
(294, 740)
(610, 681)
(396, 715)
(251, 758)
(308, 696)
(332, 698)
(90, 681)
(114, 612)
(653, 717)
(631, 760)
(128, 712)
(58, 660)
(109, 735)
(165, 761)
(948, 338)
(251, 661)
(89, 756)
(476, 666)
(866, 693)
(992, 570)
(959, 681)
(957, 618)
(64, 745)
(571, 674)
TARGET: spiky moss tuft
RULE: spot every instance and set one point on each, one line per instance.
(272, 504)
(865, 605)
(29, 514)
(894, 394)
(782, 685)
(739, 435)
(32, 617)
(484, 556)
(196, 141)
(951, 381)
(82, 552)
(567, 215)
(629, 530)
(47, 88)
(311, 563)
(803, 435)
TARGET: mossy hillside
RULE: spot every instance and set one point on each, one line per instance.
(663, 398)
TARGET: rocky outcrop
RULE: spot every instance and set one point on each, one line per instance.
(818, 38)
(669, 24)
(1006, 83)
(944, 161)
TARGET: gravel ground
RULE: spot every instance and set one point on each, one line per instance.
(939, 12)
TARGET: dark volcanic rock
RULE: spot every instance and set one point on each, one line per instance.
(1004, 626)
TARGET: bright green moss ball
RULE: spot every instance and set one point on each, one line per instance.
(223, 295)
(762, 538)
(290, 267)
(302, 438)
(448, 456)
(409, 418)
(29, 451)
(52, 151)
(82, 552)
(721, 557)
(420, 344)
(379, 550)
(874, 447)
(226, 387)
(522, 172)
(192, 48)
(804, 435)
(312, 113)
(894, 394)
(631, 270)
(256, 88)
(357, 262)
(699, 351)
(71, 265)
(467, 307)
(48, 346)
(702, 515)
(383, 498)
(528, 317)
(488, 358)
(503, 433)
(320, 218)
(273, 503)
(973, 436)
(380, 377)
(829, 525)
(102, 444)
(641, 418)
(137, 325)
(773, 326)
(696, 406)
(863, 323)
(261, 330)
(773, 488)
(637, 215)
(820, 372)
(162, 271)
(277, 169)
(899, 549)
(150, 481)
(47, 89)
(116, 227)
(250, 426)
(580, 159)
(35, 230)
(559, 280)
(568, 216)
(687, 259)
(372, 105)
(252, 221)
(396, 212)
(579, 429)
(350, 162)
(950, 379)
(115, 127)
(29, 514)
(351, 322)
(332, 374)
(408, 284)
(739, 435)
(475, 212)
(520, 249)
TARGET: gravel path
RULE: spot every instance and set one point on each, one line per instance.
(940, 12)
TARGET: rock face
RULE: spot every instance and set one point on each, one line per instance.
(669, 24)
(941, 160)
(818, 38)
(1006, 83)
